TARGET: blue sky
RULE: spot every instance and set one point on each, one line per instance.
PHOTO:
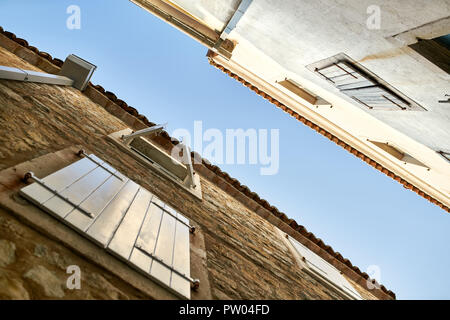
(368, 217)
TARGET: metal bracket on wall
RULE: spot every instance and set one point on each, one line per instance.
(83, 153)
(191, 228)
(30, 175)
(195, 282)
(188, 162)
(75, 72)
(144, 132)
(18, 74)
(445, 101)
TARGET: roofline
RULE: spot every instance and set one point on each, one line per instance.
(223, 180)
(202, 33)
(188, 24)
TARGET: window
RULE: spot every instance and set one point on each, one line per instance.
(149, 154)
(111, 210)
(436, 50)
(323, 271)
(361, 85)
(295, 88)
(397, 153)
(360, 88)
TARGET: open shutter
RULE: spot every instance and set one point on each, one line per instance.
(343, 76)
(318, 267)
(359, 87)
(121, 216)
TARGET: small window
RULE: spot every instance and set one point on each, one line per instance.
(361, 88)
(323, 271)
(142, 149)
(362, 85)
(114, 212)
(436, 50)
(398, 154)
(295, 88)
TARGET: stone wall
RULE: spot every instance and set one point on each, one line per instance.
(34, 267)
(244, 257)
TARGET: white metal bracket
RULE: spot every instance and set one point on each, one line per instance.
(144, 132)
(75, 72)
(18, 74)
(83, 153)
(188, 163)
(30, 175)
(194, 282)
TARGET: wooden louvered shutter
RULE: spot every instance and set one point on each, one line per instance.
(318, 267)
(121, 216)
(359, 87)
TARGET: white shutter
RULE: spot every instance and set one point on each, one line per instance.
(343, 76)
(359, 87)
(318, 267)
(121, 216)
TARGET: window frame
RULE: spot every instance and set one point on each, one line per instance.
(390, 93)
(67, 177)
(433, 50)
(327, 282)
(116, 138)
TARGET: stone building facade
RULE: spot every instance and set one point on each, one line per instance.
(238, 250)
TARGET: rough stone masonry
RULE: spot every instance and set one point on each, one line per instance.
(237, 253)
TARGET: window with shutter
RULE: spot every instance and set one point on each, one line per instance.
(361, 85)
(179, 170)
(323, 271)
(119, 215)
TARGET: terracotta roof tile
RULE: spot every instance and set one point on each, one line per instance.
(244, 189)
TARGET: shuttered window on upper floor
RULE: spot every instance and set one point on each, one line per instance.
(121, 216)
(324, 271)
(361, 88)
(180, 170)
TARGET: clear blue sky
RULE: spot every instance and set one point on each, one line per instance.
(368, 217)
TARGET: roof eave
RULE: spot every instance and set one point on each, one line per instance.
(228, 67)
